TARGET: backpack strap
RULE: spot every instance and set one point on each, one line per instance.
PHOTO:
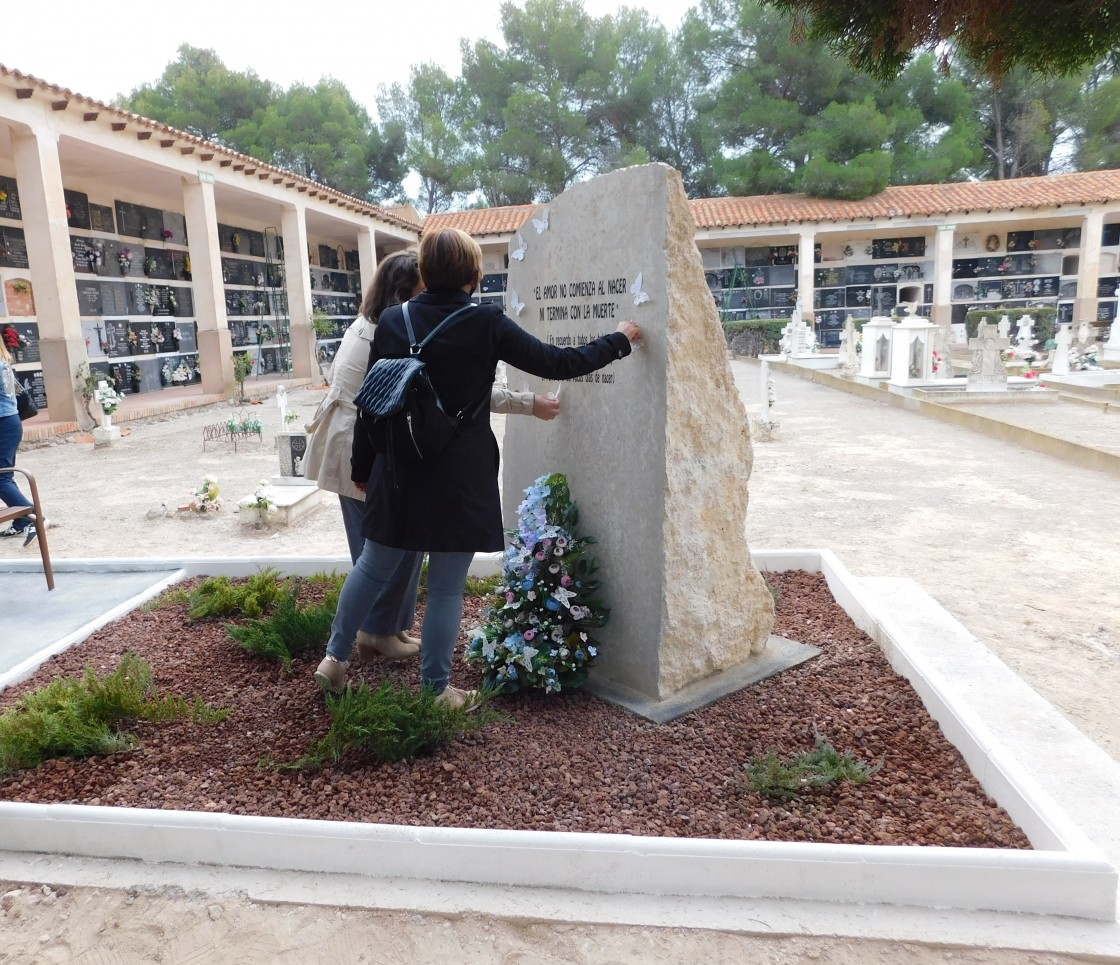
(415, 349)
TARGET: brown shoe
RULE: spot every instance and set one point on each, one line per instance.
(331, 674)
(391, 648)
(409, 639)
(457, 699)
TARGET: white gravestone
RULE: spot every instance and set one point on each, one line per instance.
(765, 428)
(1024, 339)
(875, 359)
(656, 447)
(987, 373)
(282, 405)
(942, 352)
(1112, 346)
(798, 340)
(1004, 327)
(106, 433)
(911, 351)
(1063, 342)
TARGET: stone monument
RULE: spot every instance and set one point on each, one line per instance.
(106, 397)
(987, 373)
(875, 359)
(764, 427)
(656, 447)
(798, 340)
(911, 351)
(1111, 350)
(282, 405)
(942, 352)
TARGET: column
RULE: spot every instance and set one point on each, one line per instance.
(297, 270)
(1088, 267)
(806, 266)
(942, 312)
(367, 258)
(215, 348)
(61, 344)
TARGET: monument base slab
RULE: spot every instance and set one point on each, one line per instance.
(103, 436)
(780, 655)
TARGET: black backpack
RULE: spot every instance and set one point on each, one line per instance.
(401, 409)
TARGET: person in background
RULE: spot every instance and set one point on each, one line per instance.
(11, 434)
(327, 461)
(448, 507)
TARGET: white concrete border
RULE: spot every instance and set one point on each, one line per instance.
(1065, 875)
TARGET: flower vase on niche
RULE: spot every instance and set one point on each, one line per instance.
(124, 259)
(136, 377)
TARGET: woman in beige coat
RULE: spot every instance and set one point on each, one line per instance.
(332, 435)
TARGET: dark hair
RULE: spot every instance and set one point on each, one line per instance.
(394, 282)
(450, 259)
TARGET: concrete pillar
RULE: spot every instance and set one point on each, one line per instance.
(1089, 267)
(215, 348)
(297, 268)
(367, 258)
(942, 310)
(806, 265)
(61, 345)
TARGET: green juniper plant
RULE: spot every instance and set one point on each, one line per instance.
(290, 629)
(774, 777)
(82, 718)
(391, 723)
(219, 596)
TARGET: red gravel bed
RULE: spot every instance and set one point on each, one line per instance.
(566, 762)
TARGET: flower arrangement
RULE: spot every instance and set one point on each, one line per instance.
(134, 373)
(124, 259)
(13, 338)
(206, 499)
(936, 361)
(21, 287)
(150, 265)
(244, 424)
(181, 373)
(262, 502)
(1034, 244)
(538, 629)
(157, 335)
(168, 234)
(3, 196)
(106, 397)
(133, 339)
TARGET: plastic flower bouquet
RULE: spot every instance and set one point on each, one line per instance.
(207, 498)
(538, 631)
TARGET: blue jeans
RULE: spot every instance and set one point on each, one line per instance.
(11, 434)
(386, 617)
(373, 575)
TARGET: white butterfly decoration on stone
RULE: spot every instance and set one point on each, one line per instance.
(636, 290)
(516, 303)
(518, 253)
(541, 223)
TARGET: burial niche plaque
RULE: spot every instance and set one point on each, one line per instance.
(656, 447)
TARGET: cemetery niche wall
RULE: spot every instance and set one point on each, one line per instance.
(656, 448)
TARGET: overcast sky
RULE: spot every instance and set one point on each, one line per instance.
(105, 49)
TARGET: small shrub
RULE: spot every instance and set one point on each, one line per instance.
(482, 586)
(774, 777)
(392, 723)
(1045, 320)
(220, 597)
(754, 336)
(167, 598)
(290, 629)
(80, 718)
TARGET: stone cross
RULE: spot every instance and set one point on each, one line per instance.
(987, 372)
(1025, 338)
(687, 601)
(1084, 333)
(1004, 327)
(282, 404)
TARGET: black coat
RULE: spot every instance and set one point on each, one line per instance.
(451, 504)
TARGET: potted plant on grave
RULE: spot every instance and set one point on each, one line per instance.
(150, 265)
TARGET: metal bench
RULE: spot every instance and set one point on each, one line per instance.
(35, 510)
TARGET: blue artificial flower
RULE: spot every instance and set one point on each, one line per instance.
(552, 604)
(527, 585)
(581, 656)
(593, 651)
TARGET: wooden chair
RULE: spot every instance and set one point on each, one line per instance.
(35, 510)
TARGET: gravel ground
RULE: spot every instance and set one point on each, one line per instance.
(562, 763)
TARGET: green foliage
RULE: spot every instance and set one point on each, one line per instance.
(1099, 120)
(167, 598)
(879, 36)
(392, 723)
(242, 367)
(481, 585)
(81, 718)
(219, 596)
(290, 629)
(322, 324)
(1045, 320)
(774, 777)
(754, 336)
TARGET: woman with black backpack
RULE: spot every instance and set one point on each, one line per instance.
(447, 506)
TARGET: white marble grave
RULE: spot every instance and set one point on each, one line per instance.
(988, 373)
(656, 447)
(1063, 341)
(875, 359)
(911, 351)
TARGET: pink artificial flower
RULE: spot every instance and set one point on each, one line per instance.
(509, 598)
(540, 556)
(565, 580)
(529, 634)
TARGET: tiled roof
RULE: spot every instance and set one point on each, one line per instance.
(906, 201)
(482, 221)
(188, 143)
